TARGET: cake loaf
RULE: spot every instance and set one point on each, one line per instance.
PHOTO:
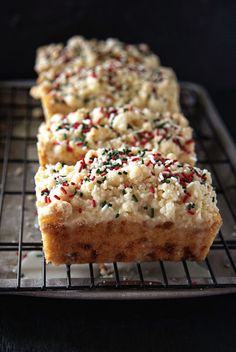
(52, 59)
(110, 84)
(125, 205)
(83, 52)
(67, 138)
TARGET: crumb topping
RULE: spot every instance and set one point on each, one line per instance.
(129, 183)
(82, 52)
(113, 84)
(113, 128)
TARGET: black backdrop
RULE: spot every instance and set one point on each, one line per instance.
(196, 38)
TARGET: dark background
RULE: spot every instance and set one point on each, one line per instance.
(196, 38)
(193, 325)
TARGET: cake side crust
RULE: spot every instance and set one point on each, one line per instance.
(50, 107)
(125, 241)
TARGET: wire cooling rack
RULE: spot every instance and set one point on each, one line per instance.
(22, 265)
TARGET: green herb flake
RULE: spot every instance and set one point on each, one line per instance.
(166, 180)
(45, 193)
(142, 153)
(190, 206)
(151, 212)
(161, 125)
(102, 204)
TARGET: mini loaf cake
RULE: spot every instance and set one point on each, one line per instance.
(110, 84)
(125, 205)
(87, 53)
(67, 138)
(52, 59)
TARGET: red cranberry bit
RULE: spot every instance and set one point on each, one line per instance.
(44, 190)
(47, 200)
(149, 163)
(135, 159)
(151, 189)
(63, 190)
(82, 164)
(68, 147)
(76, 125)
(94, 203)
(93, 74)
(85, 130)
(186, 197)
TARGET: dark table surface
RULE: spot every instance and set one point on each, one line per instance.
(204, 324)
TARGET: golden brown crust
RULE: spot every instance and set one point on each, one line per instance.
(42, 154)
(45, 157)
(50, 107)
(124, 241)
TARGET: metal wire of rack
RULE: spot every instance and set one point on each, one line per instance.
(18, 161)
